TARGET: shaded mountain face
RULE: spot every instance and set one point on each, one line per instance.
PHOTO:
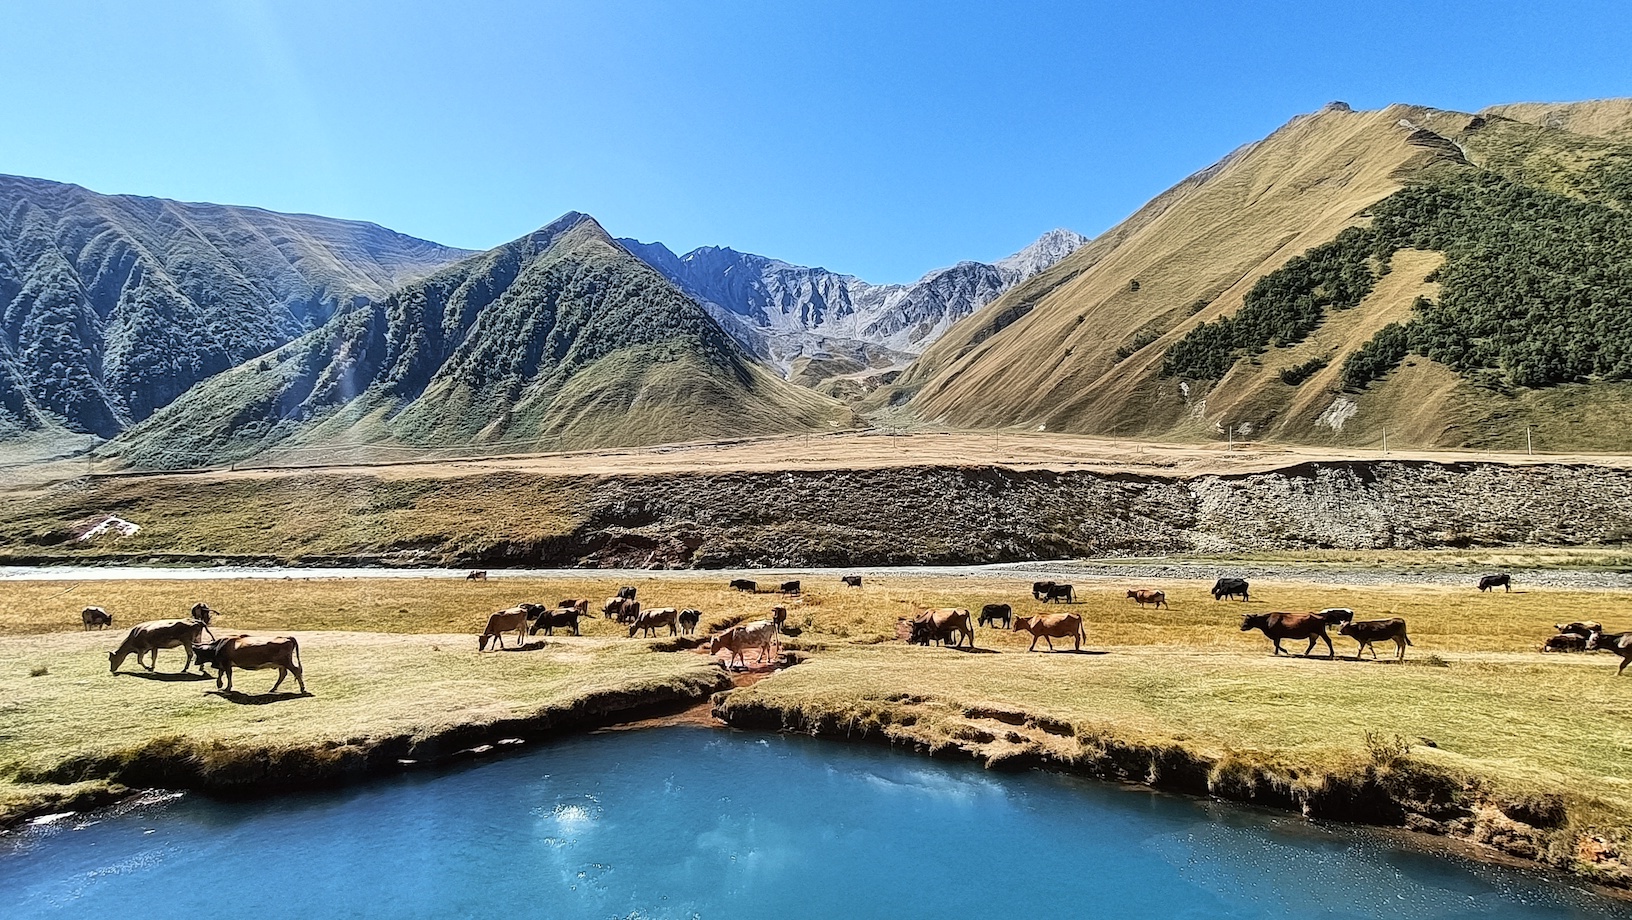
(558, 339)
(1448, 278)
(111, 306)
(786, 312)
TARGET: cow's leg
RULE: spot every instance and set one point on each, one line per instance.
(282, 673)
(1279, 650)
(1331, 652)
(1624, 661)
(1033, 643)
(226, 669)
(1047, 638)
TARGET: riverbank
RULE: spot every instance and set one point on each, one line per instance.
(1477, 736)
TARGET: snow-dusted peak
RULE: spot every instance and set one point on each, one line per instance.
(1049, 248)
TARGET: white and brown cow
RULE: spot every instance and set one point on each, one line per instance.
(147, 638)
(760, 634)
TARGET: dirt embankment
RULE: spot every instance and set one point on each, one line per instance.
(1391, 791)
(963, 515)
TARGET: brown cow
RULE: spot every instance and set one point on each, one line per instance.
(564, 617)
(252, 653)
(1278, 626)
(156, 634)
(1051, 626)
(515, 618)
(760, 634)
(629, 611)
(95, 618)
(1366, 632)
(478, 575)
(612, 607)
(948, 625)
(1143, 597)
(649, 621)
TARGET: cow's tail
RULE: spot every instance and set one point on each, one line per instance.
(1407, 639)
(296, 643)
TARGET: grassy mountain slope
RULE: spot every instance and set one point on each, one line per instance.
(1609, 119)
(1479, 267)
(112, 305)
(559, 339)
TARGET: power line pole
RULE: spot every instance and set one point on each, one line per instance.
(1527, 444)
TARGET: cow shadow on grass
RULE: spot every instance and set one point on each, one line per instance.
(529, 647)
(255, 699)
(166, 676)
(1074, 651)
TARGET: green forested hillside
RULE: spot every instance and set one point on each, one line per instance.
(559, 339)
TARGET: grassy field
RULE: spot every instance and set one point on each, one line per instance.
(397, 657)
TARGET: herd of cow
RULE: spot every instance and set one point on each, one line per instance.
(950, 626)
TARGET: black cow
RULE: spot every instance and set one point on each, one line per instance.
(789, 587)
(627, 593)
(996, 613)
(688, 620)
(1058, 593)
(1230, 587)
(1040, 589)
(562, 617)
(1619, 643)
(852, 581)
(743, 584)
(1490, 582)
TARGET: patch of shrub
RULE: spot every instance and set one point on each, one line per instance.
(1298, 373)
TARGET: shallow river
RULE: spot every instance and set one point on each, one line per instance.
(695, 823)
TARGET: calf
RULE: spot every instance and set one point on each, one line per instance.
(744, 584)
(95, 618)
(1572, 637)
(851, 581)
(1491, 582)
(156, 634)
(1336, 616)
(688, 620)
(1049, 627)
(1278, 626)
(1058, 593)
(1142, 597)
(1230, 587)
(996, 613)
(1366, 632)
(252, 654)
(1619, 643)
(649, 621)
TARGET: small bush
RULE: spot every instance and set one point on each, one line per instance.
(1387, 750)
(1292, 376)
(38, 670)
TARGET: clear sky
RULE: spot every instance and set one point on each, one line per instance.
(877, 138)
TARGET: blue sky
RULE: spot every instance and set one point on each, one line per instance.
(882, 139)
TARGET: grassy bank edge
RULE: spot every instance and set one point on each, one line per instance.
(1392, 790)
(176, 762)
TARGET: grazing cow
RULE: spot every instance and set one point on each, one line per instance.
(852, 581)
(612, 607)
(1366, 632)
(1335, 616)
(1278, 626)
(1572, 637)
(947, 625)
(1040, 589)
(252, 653)
(1490, 582)
(478, 575)
(760, 634)
(629, 611)
(1058, 593)
(1619, 643)
(1230, 587)
(95, 618)
(627, 593)
(559, 618)
(1142, 597)
(1051, 626)
(649, 621)
(156, 634)
(789, 587)
(515, 618)
(996, 613)
(688, 620)
(744, 584)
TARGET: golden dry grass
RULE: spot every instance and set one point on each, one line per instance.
(1474, 683)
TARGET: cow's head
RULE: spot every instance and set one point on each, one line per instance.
(1594, 640)
(202, 613)
(921, 633)
(481, 642)
(114, 661)
(1347, 629)
(1255, 621)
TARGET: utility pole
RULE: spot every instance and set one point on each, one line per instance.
(1527, 443)
(1385, 442)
